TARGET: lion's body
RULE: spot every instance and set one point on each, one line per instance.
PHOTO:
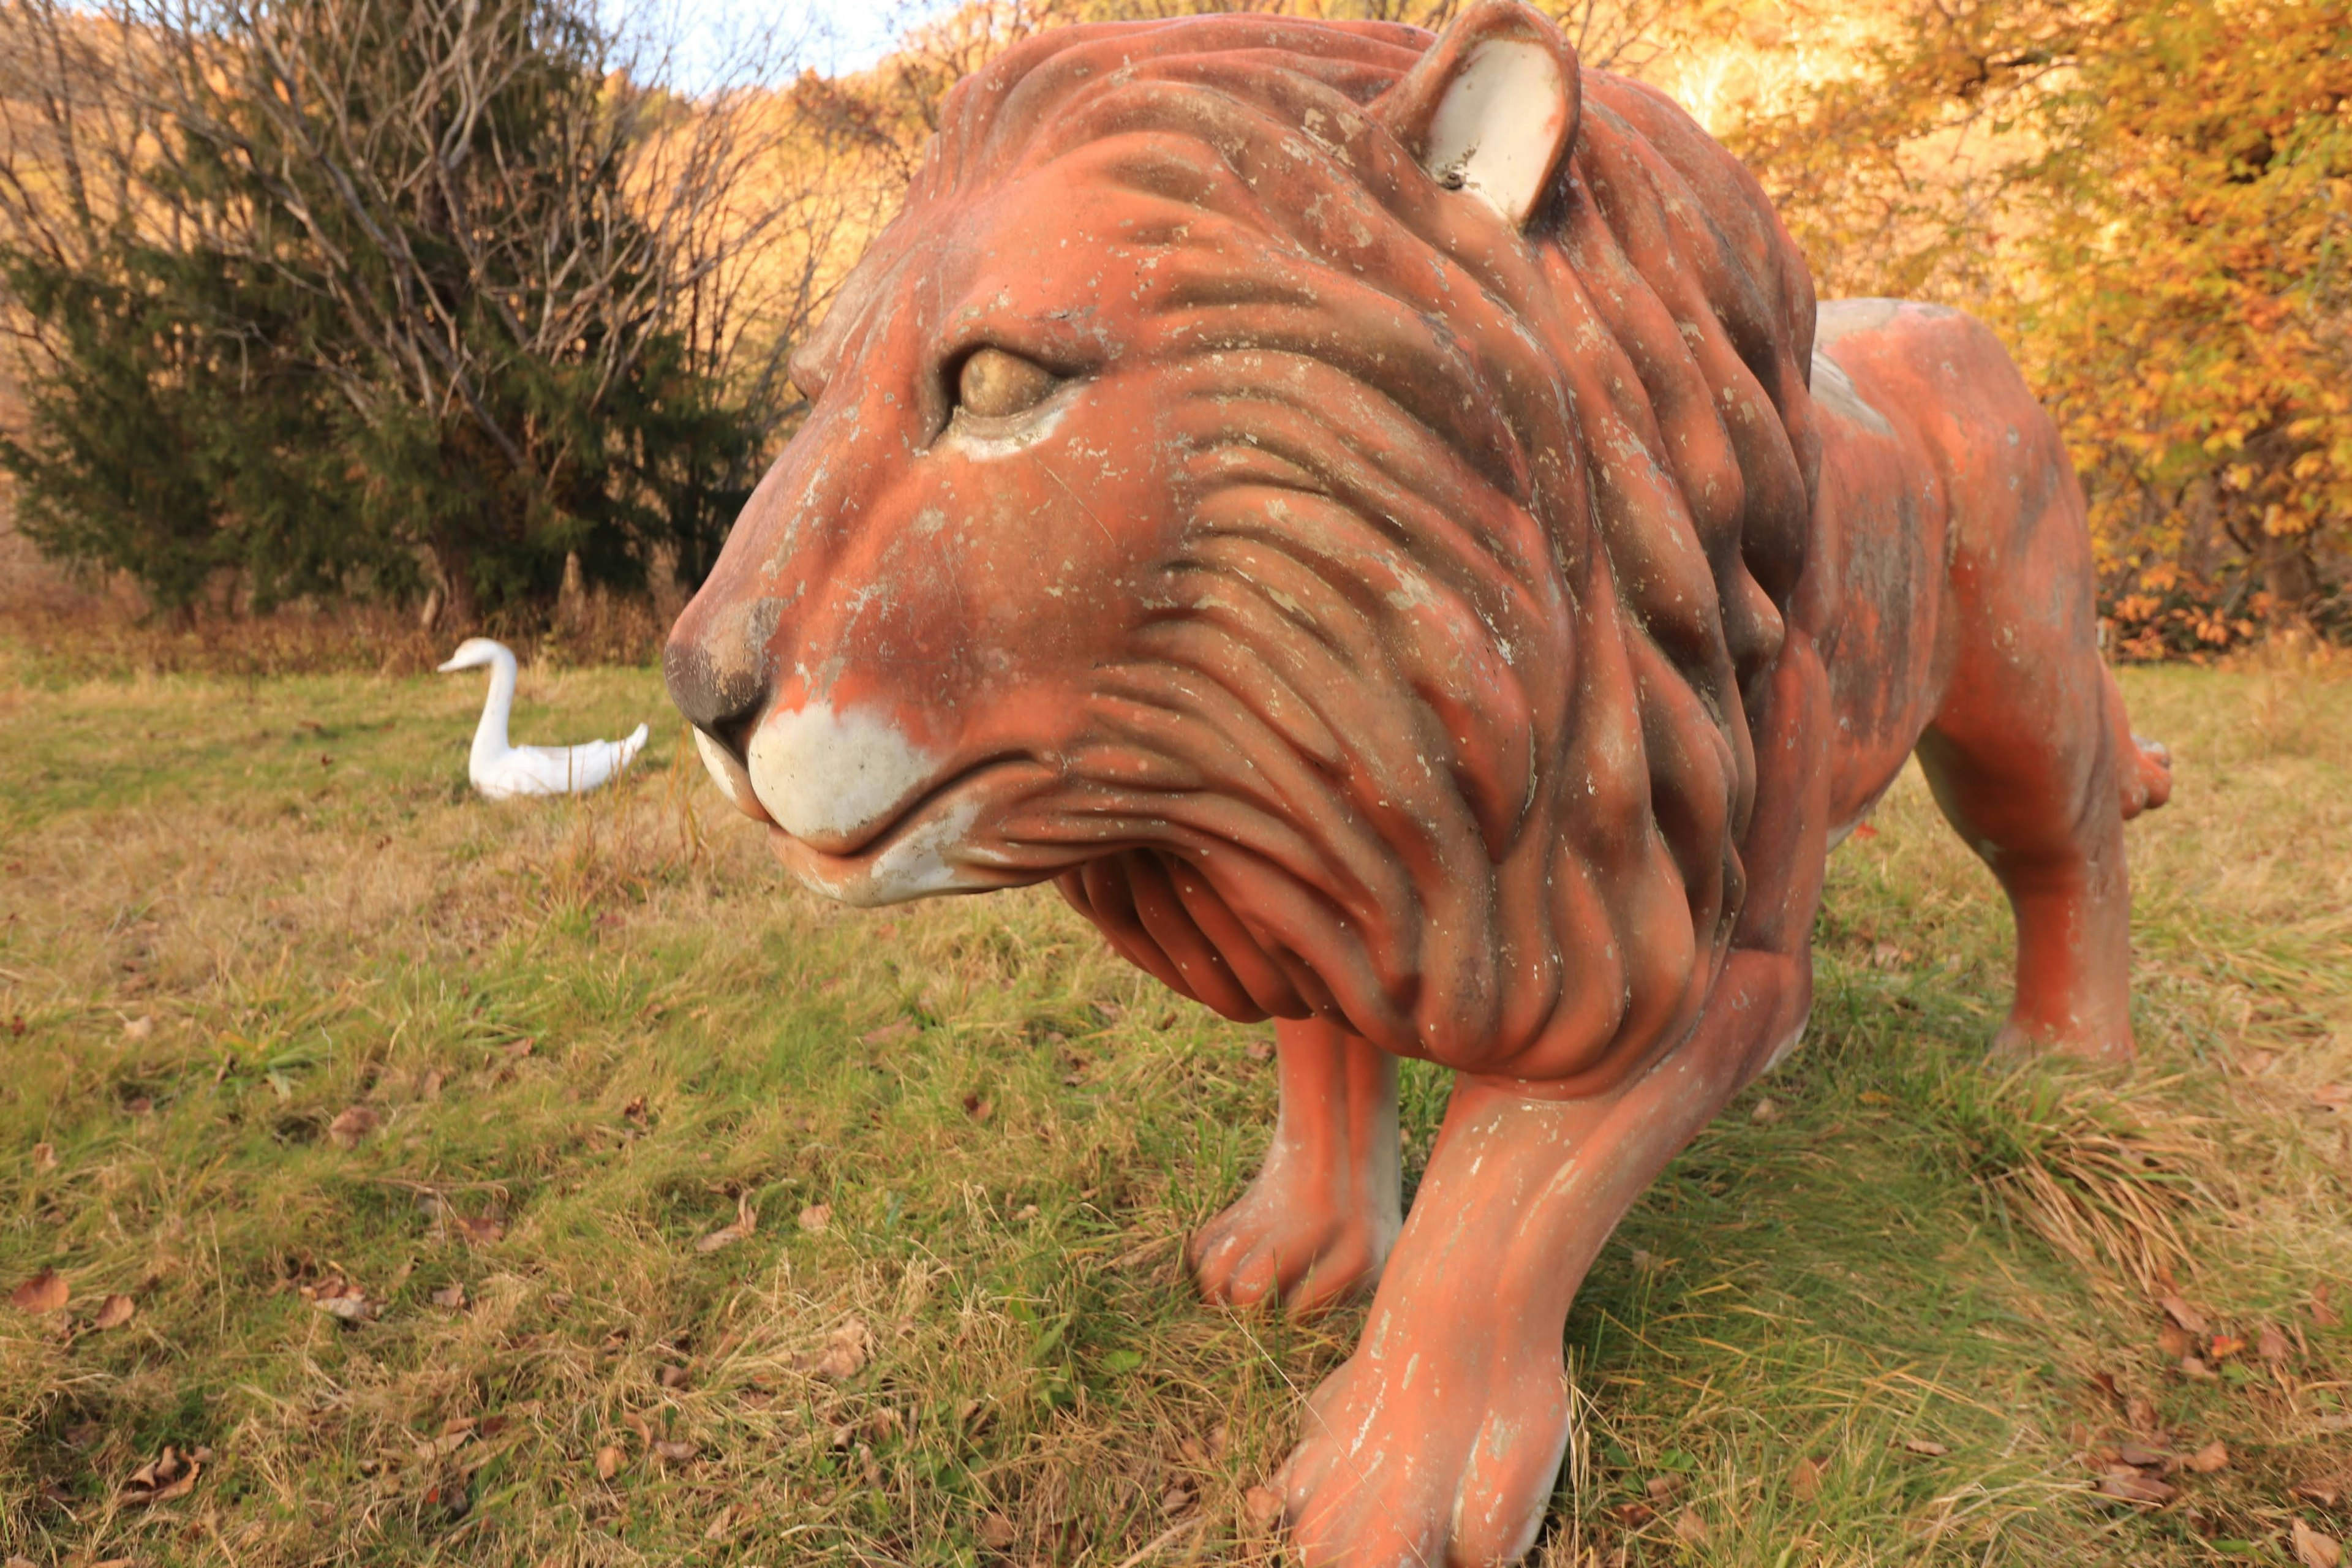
(1443, 590)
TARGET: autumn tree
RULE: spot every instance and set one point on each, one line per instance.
(2153, 202)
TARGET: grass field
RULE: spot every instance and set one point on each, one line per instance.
(548, 1184)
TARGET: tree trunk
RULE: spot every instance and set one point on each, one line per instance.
(461, 611)
(572, 598)
(2292, 581)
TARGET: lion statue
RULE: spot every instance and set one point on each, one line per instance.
(1379, 520)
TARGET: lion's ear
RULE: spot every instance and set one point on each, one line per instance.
(1491, 108)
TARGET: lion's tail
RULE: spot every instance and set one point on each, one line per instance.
(2145, 776)
(2148, 778)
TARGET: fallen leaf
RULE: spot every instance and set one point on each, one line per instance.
(2333, 1095)
(2186, 1315)
(44, 1292)
(2321, 1312)
(1689, 1528)
(138, 1029)
(2195, 1367)
(2323, 1492)
(889, 1034)
(2174, 1341)
(429, 1086)
(977, 1108)
(1261, 1506)
(747, 1219)
(113, 1312)
(676, 1377)
(1634, 1515)
(609, 1461)
(996, 1532)
(721, 1525)
(1926, 1446)
(1865, 831)
(816, 1217)
(725, 1235)
(45, 1158)
(1805, 1481)
(677, 1452)
(170, 1475)
(480, 1232)
(350, 1305)
(1766, 1113)
(2142, 1455)
(450, 1296)
(346, 1130)
(516, 1050)
(2141, 1413)
(2223, 1347)
(446, 1443)
(635, 1111)
(2214, 1455)
(1259, 1051)
(844, 1352)
(1659, 1489)
(2314, 1550)
(2271, 1343)
(2133, 1486)
(1176, 1498)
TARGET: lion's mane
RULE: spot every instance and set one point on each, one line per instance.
(1445, 726)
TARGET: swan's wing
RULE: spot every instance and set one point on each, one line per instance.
(557, 770)
(570, 770)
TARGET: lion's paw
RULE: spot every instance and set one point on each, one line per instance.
(1426, 1458)
(1310, 1251)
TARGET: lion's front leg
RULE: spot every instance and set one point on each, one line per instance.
(1316, 1225)
(1439, 1440)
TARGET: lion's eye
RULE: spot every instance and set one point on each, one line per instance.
(995, 383)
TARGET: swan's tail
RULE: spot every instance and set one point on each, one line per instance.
(630, 748)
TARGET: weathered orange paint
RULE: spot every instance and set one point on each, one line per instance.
(1454, 637)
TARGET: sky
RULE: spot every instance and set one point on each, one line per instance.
(829, 36)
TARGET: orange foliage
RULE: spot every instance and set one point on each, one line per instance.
(2152, 199)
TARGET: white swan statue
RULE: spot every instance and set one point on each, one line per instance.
(502, 770)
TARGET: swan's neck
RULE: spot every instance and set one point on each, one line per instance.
(491, 734)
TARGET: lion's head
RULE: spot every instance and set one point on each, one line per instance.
(1325, 496)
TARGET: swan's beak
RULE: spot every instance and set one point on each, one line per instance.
(453, 663)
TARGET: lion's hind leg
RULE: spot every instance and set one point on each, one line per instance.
(2033, 761)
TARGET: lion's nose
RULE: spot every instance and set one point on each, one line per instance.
(715, 689)
(715, 665)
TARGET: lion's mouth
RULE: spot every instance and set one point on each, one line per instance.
(928, 847)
